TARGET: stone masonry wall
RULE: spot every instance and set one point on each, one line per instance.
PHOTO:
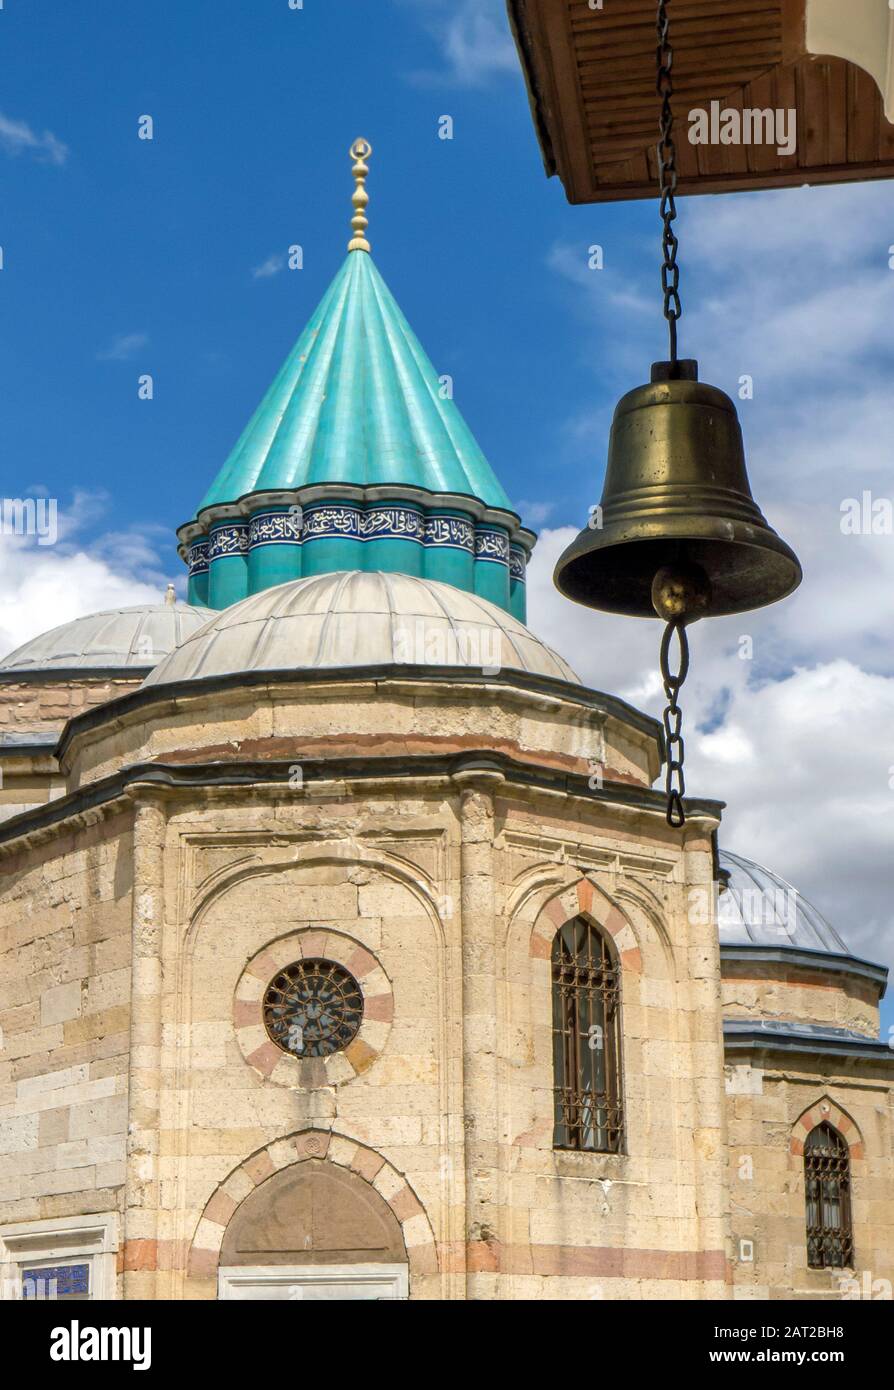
(772, 1106)
(65, 934)
(768, 990)
(35, 707)
(443, 905)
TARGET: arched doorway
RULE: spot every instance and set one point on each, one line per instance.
(313, 1231)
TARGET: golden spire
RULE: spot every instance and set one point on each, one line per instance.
(360, 152)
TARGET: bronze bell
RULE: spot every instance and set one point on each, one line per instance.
(676, 500)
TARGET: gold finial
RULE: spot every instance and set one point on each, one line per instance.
(360, 152)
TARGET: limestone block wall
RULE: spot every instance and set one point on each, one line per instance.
(247, 890)
(441, 892)
(39, 706)
(649, 1222)
(442, 902)
(772, 1106)
(757, 990)
(65, 934)
(382, 718)
(42, 708)
(27, 780)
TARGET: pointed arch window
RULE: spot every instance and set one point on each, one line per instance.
(827, 1188)
(586, 982)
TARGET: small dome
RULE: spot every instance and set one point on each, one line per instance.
(125, 639)
(360, 619)
(760, 909)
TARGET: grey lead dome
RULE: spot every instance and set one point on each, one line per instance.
(359, 619)
(126, 639)
(761, 909)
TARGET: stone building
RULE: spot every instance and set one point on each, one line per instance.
(345, 950)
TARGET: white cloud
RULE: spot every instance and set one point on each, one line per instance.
(474, 39)
(123, 347)
(788, 226)
(42, 587)
(793, 289)
(272, 266)
(803, 758)
(17, 137)
(535, 513)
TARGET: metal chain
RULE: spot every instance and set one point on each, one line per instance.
(667, 178)
(666, 150)
(674, 782)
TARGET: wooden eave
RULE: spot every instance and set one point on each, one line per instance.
(591, 80)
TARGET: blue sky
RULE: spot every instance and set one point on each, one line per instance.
(124, 256)
(127, 256)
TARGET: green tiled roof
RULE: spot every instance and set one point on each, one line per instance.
(357, 401)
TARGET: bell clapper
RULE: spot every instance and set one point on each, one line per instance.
(681, 594)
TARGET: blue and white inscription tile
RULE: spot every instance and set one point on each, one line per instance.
(491, 545)
(228, 540)
(275, 528)
(451, 532)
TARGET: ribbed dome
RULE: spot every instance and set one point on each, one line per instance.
(357, 401)
(118, 639)
(760, 909)
(360, 619)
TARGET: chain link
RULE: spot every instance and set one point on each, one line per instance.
(666, 150)
(667, 178)
(674, 782)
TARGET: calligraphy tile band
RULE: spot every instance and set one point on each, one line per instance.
(228, 540)
(347, 522)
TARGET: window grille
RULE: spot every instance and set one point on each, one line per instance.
(586, 1040)
(313, 1008)
(827, 1187)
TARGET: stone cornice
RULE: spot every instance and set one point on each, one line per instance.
(822, 1049)
(101, 798)
(349, 492)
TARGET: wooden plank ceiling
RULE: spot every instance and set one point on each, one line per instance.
(591, 76)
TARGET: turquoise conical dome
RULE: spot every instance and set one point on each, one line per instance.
(357, 401)
(357, 458)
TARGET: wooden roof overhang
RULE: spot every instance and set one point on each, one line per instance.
(591, 80)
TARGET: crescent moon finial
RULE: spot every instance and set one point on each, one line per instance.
(360, 152)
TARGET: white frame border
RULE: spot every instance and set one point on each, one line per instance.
(91, 1239)
(231, 1277)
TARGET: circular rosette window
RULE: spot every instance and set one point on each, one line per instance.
(313, 1008)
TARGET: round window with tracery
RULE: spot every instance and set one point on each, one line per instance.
(313, 1008)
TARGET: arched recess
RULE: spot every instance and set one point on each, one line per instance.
(313, 1213)
(326, 1199)
(827, 1149)
(548, 910)
(349, 853)
(540, 903)
(825, 1111)
(197, 962)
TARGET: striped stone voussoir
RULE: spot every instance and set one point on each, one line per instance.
(320, 1144)
(270, 1061)
(584, 899)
